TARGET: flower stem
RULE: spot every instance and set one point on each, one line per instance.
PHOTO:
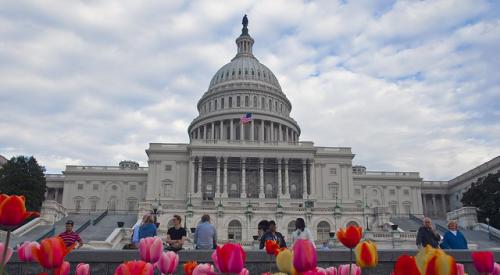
(6, 247)
(350, 263)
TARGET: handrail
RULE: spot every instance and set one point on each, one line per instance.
(83, 226)
(49, 233)
(441, 228)
(415, 218)
(100, 217)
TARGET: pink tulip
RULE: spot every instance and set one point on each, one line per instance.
(7, 256)
(204, 269)
(229, 258)
(304, 256)
(63, 269)
(331, 271)
(82, 269)
(460, 269)
(150, 249)
(168, 262)
(344, 270)
(25, 251)
(483, 261)
(135, 267)
(496, 269)
(244, 271)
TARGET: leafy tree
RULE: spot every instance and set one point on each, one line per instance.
(485, 195)
(23, 176)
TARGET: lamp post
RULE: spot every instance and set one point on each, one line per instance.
(394, 228)
(155, 207)
(488, 222)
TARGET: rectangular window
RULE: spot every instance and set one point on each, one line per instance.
(333, 171)
(78, 205)
(246, 101)
(230, 102)
(93, 205)
(95, 187)
(270, 104)
(238, 101)
(222, 103)
(168, 167)
(406, 192)
(210, 106)
(131, 205)
(215, 105)
(392, 192)
(262, 103)
(133, 187)
(80, 186)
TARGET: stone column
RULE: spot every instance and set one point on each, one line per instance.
(434, 208)
(231, 135)
(243, 178)
(398, 200)
(205, 134)
(242, 132)
(443, 203)
(280, 132)
(312, 181)
(261, 178)
(191, 175)
(286, 133)
(224, 192)
(198, 136)
(262, 137)
(280, 182)
(221, 130)
(252, 125)
(425, 210)
(304, 179)
(217, 178)
(287, 187)
(272, 131)
(198, 188)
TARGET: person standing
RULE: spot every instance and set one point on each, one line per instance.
(302, 232)
(176, 235)
(453, 239)
(426, 235)
(273, 235)
(205, 236)
(69, 236)
(147, 228)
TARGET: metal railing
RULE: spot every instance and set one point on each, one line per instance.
(83, 226)
(100, 217)
(48, 234)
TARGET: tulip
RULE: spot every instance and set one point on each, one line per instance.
(284, 261)
(406, 265)
(272, 247)
(305, 257)
(441, 264)
(50, 253)
(204, 269)
(13, 210)
(229, 258)
(483, 261)
(344, 270)
(135, 268)
(63, 269)
(8, 253)
(331, 271)
(350, 237)
(82, 269)
(189, 267)
(25, 251)
(244, 271)
(168, 262)
(460, 269)
(496, 269)
(150, 249)
(366, 254)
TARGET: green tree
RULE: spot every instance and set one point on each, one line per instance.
(485, 195)
(23, 176)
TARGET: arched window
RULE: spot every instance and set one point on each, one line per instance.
(93, 203)
(323, 231)
(238, 101)
(230, 102)
(246, 101)
(215, 105)
(353, 223)
(234, 230)
(222, 103)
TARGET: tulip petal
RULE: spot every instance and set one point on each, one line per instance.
(484, 261)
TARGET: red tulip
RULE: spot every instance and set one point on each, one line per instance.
(150, 249)
(351, 236)
(305, 257)
(7, 256)
(496, 269)
(51, 252)
(483, 261)
(63, 269)
(272, 247)
(189, 267)
(441, 264)
(135, 268)
(229, 258)
(168, 262)
(25, 251)
(406, 265)
(366, 254)
(204, 269)
(344, 270)
(13, 210)
(82, 269)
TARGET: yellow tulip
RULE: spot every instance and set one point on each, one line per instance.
(284, 261)
(366, 254)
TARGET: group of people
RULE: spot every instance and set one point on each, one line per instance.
(268, 232)
(452, 239)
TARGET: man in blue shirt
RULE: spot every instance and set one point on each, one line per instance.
(205, 236)
(453, 239)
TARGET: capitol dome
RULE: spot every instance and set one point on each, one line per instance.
(244, 86)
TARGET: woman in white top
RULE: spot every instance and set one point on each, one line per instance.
(302, 232)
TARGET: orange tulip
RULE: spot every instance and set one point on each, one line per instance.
(189, 267)
(135, 268)
(366, 254)
(13, 210)
(51, 252)
(406, 265)
(351, 236)
(272, 247)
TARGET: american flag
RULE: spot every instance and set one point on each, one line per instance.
(246, 118)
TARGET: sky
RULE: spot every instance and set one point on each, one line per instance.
(408, 85)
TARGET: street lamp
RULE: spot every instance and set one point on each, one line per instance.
(155, 207)
(488, 222)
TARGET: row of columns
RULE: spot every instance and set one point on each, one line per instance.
(283, 133)
(198, 162)
(435, 207)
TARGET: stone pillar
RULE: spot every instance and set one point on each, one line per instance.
(198, 188)
(287, 187)
(312, 181)
(224, 191)
(425, 210)
(231, 135)
(280, 133)
(261, 178)
(243, 178)
(280, 182)
(205, 134)
(199, 133)
(434, 208)
(191, 175)
(272, 131)
(398, 200)
(286, 134)
(262, 137)
(443, 203)
(221, 130)
(212, 133)
(217, 178)
(304, 179)
(252, 125)
(242, 132)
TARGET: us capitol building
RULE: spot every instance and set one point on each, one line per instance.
(243, 173)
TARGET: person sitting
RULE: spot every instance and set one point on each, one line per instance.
(176, 235)
(273, 235)
(147, 228)
(69, 236)
(302, 232)
(453, 239)
(205, 236)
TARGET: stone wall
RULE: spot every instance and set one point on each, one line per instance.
(104, 262)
